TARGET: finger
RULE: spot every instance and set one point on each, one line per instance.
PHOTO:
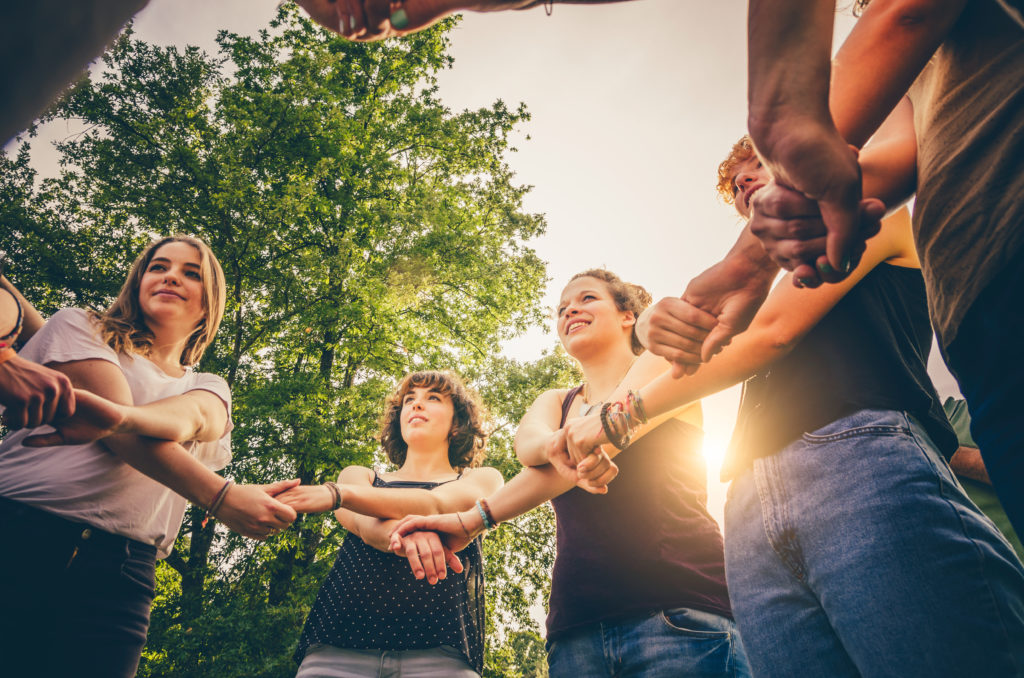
(842, 220)
(34, 413)
(413, 556)
(679, 370)
(44, 440)
(357, 20)
(453, 560)
(284, 515)
(719, 338)
(280, 486)
(438, 558)
(806, 275)
(66, 404)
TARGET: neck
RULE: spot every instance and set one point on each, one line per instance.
(604, 371)
(427, 463)
(165, 351)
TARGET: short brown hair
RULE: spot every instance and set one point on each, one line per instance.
(741, 151)
(123, 327)
(467, 441)
(627, 297)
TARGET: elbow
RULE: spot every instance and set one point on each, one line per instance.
(906, 17)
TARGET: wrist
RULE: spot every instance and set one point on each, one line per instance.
(473, 522)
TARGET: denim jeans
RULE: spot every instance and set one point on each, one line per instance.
(668, 644)
(74, 601)
(984, 359)
(327, 661)
(854, 551)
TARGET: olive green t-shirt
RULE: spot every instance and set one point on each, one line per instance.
(969, 120)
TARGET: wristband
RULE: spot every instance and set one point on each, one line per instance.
(487, 511)
(17, 324)
(217, 501)
(336, 492)
(483, 516)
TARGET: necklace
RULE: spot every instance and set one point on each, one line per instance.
(587, 407)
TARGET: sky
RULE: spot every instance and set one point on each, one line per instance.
(633, 106)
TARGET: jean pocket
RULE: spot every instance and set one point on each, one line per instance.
(835, 431)
(695, 624)
(139, 571)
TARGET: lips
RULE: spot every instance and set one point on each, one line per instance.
(749, 193)
(416, 417)
(168, 292)
(576, 324)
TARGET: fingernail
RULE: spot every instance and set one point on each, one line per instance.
(399, 19)
(352, 22)
(826, 268)
(804, 282)
(341, 24)
(847, 265)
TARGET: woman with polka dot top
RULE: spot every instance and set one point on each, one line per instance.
(371, 617)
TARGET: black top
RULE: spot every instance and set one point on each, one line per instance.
(370, 600)
(869, 352)
(648, 544)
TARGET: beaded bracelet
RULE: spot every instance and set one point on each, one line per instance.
(21, 316)
(490, 516)
(616, 424)
(483, 516)
(217, 501)
(634, 403)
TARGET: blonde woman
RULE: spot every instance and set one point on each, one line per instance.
(82, 524)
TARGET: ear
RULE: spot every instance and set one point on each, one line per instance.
(628, 319)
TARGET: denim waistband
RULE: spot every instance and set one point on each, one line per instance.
(21, 516)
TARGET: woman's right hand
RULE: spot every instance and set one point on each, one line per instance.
(455, 532)
(252, 510)
(308, 498)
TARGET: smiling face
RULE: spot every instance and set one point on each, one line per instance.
(426, 417)
(588, 316)
(171, 287)
(750, 177)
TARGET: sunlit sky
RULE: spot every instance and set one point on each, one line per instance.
(633, 107)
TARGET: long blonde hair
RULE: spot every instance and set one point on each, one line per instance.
(123, 326)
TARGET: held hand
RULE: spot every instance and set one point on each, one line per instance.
(675, 330)
(733, 292)
(94, 418)
(308, 498)
(583, 435)
(252, 510)
(33, 395)
(596, 471)
(558, 456)
(428, 557)
(455, 534)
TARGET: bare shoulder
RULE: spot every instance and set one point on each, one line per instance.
(354, 475)
(487, 478)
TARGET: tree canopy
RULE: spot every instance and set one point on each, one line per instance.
(365, 230)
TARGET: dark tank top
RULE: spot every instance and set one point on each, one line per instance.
(648, 544)
(869, 352)
(371, 601)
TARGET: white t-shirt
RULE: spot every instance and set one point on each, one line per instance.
(86, 483)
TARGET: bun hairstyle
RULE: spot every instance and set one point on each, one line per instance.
(627, 297)
(467, 440)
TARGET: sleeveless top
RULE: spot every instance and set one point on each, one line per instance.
(371, 601)
(649, 544)
(869, 352)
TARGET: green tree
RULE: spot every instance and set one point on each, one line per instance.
(365, 230)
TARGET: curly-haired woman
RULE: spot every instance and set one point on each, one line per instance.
(371, 616)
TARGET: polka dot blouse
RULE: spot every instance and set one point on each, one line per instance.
(370, 600)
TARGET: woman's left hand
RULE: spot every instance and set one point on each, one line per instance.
(583, 435)
(308, 498)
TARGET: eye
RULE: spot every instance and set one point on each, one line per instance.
(434, 396)
(561, 310)
(156, 267)
(194, 275)
(589, 297)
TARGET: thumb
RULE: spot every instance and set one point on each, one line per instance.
(453, 561)
(276, 488)
(717, 339)
(841, 221)
(413, 15)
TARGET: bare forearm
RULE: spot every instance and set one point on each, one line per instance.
(169, 464)
(185, 417)
(789, 44)
(880, 59)
(531, 444)
(392, 503)
(31, 320)
(373, 531)
(532, 487)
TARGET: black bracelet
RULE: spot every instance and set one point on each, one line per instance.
(616, 439)
(17, 325)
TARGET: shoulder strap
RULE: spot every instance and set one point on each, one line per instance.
(569, 397)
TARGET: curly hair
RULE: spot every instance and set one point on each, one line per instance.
(123, 327)
(467, 440)
(627, 297)
(741, 151)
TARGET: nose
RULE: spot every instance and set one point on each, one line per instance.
(744, 177)
(171, 277)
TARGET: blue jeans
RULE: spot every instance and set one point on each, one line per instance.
(669, 644)
(74, 600)
(984, 358)
(854, 551)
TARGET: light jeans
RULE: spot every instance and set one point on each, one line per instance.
(676, 643)
(855, 552)
(327, 661)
